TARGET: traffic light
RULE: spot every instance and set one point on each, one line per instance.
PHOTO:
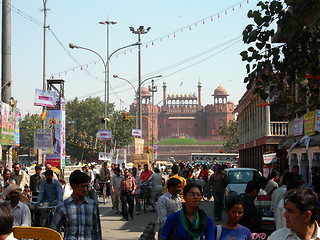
(124, 117)
(104, 119)
(149, 150)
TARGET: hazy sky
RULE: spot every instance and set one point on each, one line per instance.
(187, 42)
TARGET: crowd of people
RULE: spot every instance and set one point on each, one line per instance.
(176, 199)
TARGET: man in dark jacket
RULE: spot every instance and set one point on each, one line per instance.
(252, 219)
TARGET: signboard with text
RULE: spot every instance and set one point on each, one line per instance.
(138, 145)
(309, 123)
(43, 140)
(7, 125)
(104, 135)
(45, 98)
(298, 126)
(317, 121)
(17, 129)
(269, 158)
(136, 133)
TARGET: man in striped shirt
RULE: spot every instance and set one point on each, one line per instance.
(128, 188)
(78, 214)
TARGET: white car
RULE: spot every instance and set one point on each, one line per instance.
(238, 179)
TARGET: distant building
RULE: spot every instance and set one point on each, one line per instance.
(182, 115)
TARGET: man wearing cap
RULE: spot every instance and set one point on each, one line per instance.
(50, 190)
(21, 212)
(20, 176)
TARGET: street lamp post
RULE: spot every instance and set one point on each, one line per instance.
(106, 82)
(137, 93)
(139, 31)
(107, 89)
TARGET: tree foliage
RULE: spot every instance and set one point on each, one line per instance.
(28, 124)
(294, 61)
(84, 119)
(230, 133)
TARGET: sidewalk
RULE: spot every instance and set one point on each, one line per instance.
(113, 227)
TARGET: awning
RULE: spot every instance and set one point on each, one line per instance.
(314, 141)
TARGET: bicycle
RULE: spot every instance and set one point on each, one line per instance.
(47, 212)
(103, 190)
(145, 197)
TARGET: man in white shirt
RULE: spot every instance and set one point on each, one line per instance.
(115, 183)
(169, 202)
(301, 207)
(197, 171)
(20, 176)
(21, 212)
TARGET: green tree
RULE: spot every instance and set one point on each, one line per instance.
(230, 133)
(84, 119)
(28, 124)
(294, 62)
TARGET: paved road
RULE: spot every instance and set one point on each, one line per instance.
(113, 227)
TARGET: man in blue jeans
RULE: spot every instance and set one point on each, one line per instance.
(218, 182)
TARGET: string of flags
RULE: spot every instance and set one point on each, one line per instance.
(171, 35)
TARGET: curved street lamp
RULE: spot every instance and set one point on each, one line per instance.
(106, 79)
(136, 91)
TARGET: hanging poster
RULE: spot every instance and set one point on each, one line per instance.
(269, 158)
(298, 126)
(136, 133)
(55, 120)
(16, 129)
(45, 98)
(104, 135)
(317, 121)
(138, 145)
(308, 122)
(7, 125)
(104, 156)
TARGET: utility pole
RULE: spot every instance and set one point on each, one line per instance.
(6, 51)
(152, 89)
(44, 81)
(139, 31)
(6, 66)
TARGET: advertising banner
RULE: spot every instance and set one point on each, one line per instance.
(16, 129)
(309, 123)
(104, 135)
(317, 121)
(269, 158)
(45, 98)
(55, 120)
(43, 140)
(138, 145)
(298, 126)
(104, 156)
(7, 125)
(136, 132)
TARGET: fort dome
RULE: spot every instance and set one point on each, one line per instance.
(145, 92)
(220, 91)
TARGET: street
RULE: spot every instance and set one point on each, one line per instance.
(113, 227)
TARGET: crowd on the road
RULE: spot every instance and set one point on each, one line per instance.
(43, 199)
